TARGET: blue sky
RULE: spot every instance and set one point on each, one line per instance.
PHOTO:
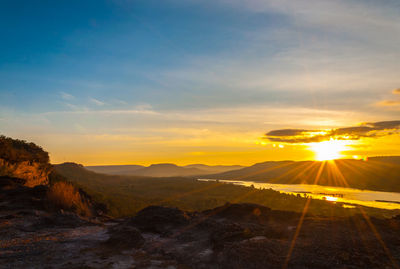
(151, 77)
(92, 48)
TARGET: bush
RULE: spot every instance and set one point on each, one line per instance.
(65, 196)
(15, 150)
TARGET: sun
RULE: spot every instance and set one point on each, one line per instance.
(328, 150)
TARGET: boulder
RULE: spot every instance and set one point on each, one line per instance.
(241, 212)
(228, 232)
(159, 219)
(124, 236)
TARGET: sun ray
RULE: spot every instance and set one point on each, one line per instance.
(301, 220)
(369, 222)
(379, 238)
(263, 171)
(307, 166)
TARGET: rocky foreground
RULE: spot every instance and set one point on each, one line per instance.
(231, 236)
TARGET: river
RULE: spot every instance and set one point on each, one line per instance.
(348, 196)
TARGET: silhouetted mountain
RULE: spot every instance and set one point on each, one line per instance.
(115, 169)
(377, 173)
(215, 168)
(163, 169)
(77, 173)
(167, 170)
(386, 159)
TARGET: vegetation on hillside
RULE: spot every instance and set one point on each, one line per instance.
(68, 195)
(64, 195)
(125, 195)
(15, 150)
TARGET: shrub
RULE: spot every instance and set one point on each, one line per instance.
(15, 150)
(65, 196)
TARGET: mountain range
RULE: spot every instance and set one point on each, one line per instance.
(163, 169)
(375, 173)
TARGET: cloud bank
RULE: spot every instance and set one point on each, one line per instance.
(299, 136)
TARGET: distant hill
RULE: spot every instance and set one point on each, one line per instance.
(387, 159)
(377, 173)
(77, 173)
(167, 170)
(162, 170)
(215, 168)
(115, 169)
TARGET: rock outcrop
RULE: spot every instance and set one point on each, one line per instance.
(24, 160)
(32, 173)
(160, 219)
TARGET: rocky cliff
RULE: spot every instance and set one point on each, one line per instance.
(24, 160)
(32, 173)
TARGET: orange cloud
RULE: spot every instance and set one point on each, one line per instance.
(300, 136)
(391, 103)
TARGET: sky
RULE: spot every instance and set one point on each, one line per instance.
(190, 81)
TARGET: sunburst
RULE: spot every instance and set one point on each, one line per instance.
(329, 150)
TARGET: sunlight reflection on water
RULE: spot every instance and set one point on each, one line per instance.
(377, 199)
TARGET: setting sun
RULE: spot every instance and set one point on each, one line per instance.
(331, 198)
(328, 150)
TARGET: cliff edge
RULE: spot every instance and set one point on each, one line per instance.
(27, 161)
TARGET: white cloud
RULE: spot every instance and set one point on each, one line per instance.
(97, 102)
(364, 18)
(72, 107)
(85, 111)
(66, 96)
(331, 49)
(236, 117)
